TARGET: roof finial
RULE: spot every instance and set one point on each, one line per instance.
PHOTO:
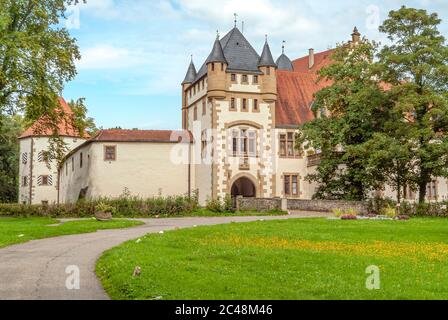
(217, 34)
(235, 15)
(283, 47)
(266, 37)
(191, 58)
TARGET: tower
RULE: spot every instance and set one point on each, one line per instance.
(38, 172)
(216, 71)
(189, 79)
(268, 67)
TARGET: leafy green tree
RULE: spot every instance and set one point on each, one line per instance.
(349, 111)
(37, 56)
(10, 129)
(416, 64)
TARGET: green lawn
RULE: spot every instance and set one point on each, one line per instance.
(18, 230)
(291, 259)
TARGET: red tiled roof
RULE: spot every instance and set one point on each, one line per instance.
(141, 136)
(321, 59)
(65, 127)
(296, 90)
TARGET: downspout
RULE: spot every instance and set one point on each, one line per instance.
(189, 169)
(59, 182)
(31, 170)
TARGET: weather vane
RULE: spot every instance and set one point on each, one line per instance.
(235, 15)
(283, 46)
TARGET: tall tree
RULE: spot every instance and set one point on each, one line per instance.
(349, 111)
(37, 56)
(10, 128)
(416, 65)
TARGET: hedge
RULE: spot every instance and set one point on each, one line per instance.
(123, 207)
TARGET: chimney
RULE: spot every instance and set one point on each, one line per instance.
(311, 58)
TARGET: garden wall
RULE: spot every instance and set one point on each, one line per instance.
(269, 204)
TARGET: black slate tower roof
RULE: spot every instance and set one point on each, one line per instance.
(284, 63)
(217, 55)
(266, 59)
(191, 73)
(238, 54)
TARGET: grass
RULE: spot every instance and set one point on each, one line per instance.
(288, 259)
(19, 230)
(203, 212)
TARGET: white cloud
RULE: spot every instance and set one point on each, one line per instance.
(108, 57)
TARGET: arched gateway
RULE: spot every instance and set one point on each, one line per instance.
(244, 187)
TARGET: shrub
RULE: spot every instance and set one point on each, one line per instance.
(215, 205)
(338, 212)
(389, 212)
(102, 207)
(122, 207)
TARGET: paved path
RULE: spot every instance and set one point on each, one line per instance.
(36, 269)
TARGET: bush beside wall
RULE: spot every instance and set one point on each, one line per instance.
(123, 207)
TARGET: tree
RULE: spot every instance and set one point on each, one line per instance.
(349, 111)
(10, 129)
(416, 65)
(36, 56)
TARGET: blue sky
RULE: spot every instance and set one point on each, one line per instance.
(135, 52)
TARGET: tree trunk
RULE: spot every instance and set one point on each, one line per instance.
(422, 190)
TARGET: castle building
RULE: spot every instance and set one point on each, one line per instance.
(240, 113)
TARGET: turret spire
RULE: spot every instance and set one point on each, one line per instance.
(191, 73)
(217, 54)
(266, 59)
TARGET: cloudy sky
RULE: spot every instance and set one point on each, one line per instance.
(135, 52)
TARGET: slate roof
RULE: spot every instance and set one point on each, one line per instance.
(191, 73)
(238, 52)
(217, 54)
(65, 127)
(284, 63)
(266, 59)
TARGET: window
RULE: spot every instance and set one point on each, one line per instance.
(45, 180)
(255, 105)
(244, 105)
(24, 181)
(288, 148)
(232, 104)
(291, 185)
(80, 160)
(255, 79)
(110, 153)
(431, 190)
(73, 163)
(244, 143)
(203, 144)
(195, 113)
(43, 156)
(204, 108)
(24, 158)
(213, 66)
(245, 78)
(222, 66)
(233, 77)
(194, 89)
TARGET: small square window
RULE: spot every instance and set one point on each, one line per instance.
(110, 153)
(245, 78)
(44, 180)
(233, 77)
(232, 104)
(244, 104)
(255, 104)
(255, 79)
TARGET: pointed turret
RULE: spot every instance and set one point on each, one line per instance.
(266, 59)
(191, 73)
(356, 36)
(216, 70)
(283, 62)
(217, 54)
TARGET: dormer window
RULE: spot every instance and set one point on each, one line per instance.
(233, 77)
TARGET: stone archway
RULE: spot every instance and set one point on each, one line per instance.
(244, 187)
